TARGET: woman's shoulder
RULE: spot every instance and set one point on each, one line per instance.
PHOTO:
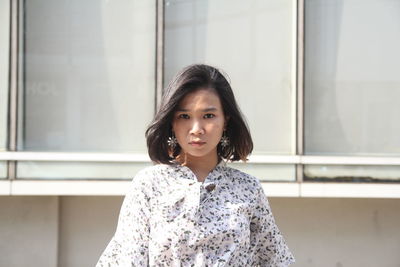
(241, 177)
(150, 177)
(155, 169)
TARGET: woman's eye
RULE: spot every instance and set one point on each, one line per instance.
(183, 116)
(209, 116)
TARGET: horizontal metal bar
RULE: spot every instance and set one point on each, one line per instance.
(348, 160)
(324, 160)
(116, 188)
(256, 159)
(122, 157)
(5, 187)
(70, 188)
(274, 159)
(350, 190)
(74, 156)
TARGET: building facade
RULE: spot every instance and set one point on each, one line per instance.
(318, 82)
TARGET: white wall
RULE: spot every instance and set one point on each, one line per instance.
(320, 232)
(341, 232)
(28, 231)
(86, 226)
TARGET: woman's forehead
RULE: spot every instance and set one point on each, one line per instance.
(202, 99)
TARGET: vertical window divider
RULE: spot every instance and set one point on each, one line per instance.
(300, 15)
(13, 83)
(160, 12)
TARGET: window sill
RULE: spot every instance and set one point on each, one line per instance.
(272, 189)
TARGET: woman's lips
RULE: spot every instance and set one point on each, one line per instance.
(197, 144)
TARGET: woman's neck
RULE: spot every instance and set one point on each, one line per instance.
(200, 166)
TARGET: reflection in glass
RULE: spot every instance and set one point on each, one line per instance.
(352, 173)
(268, 172)
(352, 77)
(252, 42)
(78, 170)
(88, 81)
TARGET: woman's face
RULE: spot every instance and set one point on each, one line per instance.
(199, 122)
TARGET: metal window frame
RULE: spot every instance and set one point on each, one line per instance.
(299, 159)
(160, 12)
(253, 159)
(13, 84)
(299, 30)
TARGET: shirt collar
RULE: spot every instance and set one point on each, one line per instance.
(214, 175)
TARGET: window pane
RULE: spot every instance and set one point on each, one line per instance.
(268, 172)
(252, 42)
(352, 77)
(352, 173)
(4, 58)
(78, 170)
(89, 80)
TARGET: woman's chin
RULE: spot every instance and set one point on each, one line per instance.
(200, 153)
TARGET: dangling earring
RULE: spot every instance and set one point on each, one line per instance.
(224, 140)
(172, 141)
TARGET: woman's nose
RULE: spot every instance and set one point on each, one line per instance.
(197, 128)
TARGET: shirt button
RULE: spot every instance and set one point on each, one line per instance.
(210, 187)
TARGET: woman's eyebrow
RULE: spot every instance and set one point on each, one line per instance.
(209, 109)
(204, 110)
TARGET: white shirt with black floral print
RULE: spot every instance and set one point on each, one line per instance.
(168, 218)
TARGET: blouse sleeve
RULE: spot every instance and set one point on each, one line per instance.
(268, 245)
(129, 245)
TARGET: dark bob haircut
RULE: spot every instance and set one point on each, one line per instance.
(190, 79)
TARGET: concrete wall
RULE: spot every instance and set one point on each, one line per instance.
(341, 232)
(73, 231)
(86, 226)
(28, 231)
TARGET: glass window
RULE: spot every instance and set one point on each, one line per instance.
(89, 80)
(88, 83)
(268, 172)
(253, 42)
(4, 70)
(78, 170)
(352, 173)
(352, 77)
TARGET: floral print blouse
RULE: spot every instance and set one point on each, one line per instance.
(168, 218)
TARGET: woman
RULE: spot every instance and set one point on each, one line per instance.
(190, 209)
